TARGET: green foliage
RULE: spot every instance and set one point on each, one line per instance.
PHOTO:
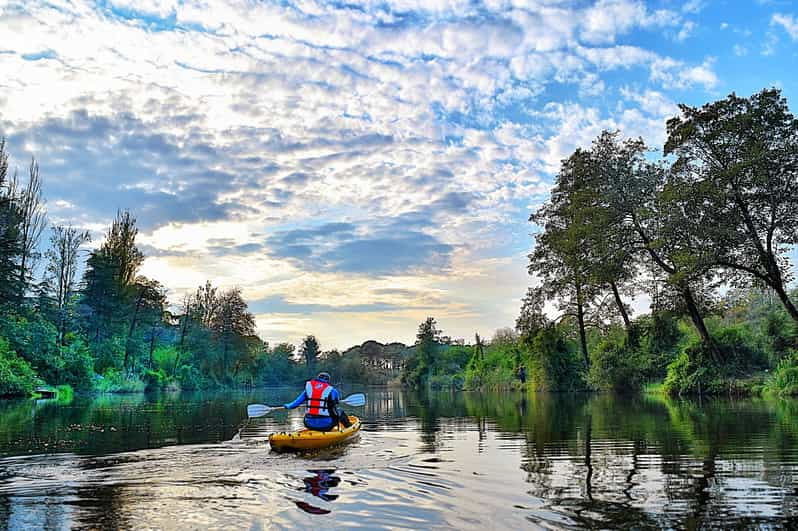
(154, 380)
(660, 340)
(309, 351)
(165, 357)
(34, 340)
(278, 366)
(419, 369)
(616, 366)
(190, 378)
(784, 380)
(16, 375)
(779, 335)
(695, 371)
(114, 381)
(64, 393)
(78, 365)
(554, 364)
(109, 354)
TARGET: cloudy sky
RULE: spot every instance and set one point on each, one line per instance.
(354, 166)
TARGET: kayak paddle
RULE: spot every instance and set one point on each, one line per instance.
(259, 410)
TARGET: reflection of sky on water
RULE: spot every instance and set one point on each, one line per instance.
(444, 460)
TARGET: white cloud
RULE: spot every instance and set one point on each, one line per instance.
(687, 29)
(265, 116)
(607, 19)
(693, 6)
(786, 21)
(675, 74)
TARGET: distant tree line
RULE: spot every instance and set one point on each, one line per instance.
(113, 329)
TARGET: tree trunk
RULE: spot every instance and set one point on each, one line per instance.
(621, 307)
(580, 316)
(785, 300)
(130, 332)
(152, 343)
(183, 331)
(700, 326)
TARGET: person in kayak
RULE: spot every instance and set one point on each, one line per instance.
(324, 411)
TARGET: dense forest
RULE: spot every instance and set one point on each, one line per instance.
(701, 233)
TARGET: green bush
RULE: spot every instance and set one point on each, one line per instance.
(685, 373)
(660, 338)
(65, 393)
(779, 336)
(16, 375)
(615, 366)
(554, 365)
(154, 380)
(694, 371)
(33, 339)
(109, 354)
(784, 380)
(77, 368)
(165, 357)
(114, 381)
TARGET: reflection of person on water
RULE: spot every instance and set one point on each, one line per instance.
(324, 411)
(322, 482)
(319, 485)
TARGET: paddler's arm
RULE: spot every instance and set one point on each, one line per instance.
(298, 401)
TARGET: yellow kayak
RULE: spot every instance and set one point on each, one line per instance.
(306, 439)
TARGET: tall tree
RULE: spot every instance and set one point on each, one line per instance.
(310, 351)
(613, 262)
(108, 281)
(426, 338)
(62, 262)
(33, 222)
(231, 324)
(741, 156)
(657, 215)
(149, 300)
(206, 304)
(560, 256)
(10, 235)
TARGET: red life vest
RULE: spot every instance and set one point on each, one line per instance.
(318, 397)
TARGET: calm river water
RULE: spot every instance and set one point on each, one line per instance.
(438, 460)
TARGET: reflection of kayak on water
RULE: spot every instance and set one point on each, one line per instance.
(312, 509)
(306, 439)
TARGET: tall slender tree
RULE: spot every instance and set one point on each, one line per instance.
(560, 256)
(62, 263)
(33, 222)
(10, 235)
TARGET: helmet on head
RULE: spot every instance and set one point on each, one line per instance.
(323, 376)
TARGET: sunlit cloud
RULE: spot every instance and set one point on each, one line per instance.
(353, 168)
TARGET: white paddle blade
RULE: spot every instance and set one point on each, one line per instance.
(257, 410)
(357, 399)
